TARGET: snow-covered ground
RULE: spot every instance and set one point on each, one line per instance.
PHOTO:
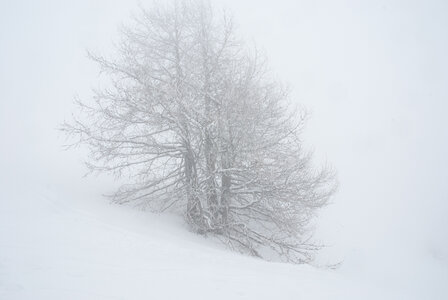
(57, 246)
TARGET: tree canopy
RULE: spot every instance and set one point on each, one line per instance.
(194, 118)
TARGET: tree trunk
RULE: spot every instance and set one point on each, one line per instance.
(225, 190)
(194, 208)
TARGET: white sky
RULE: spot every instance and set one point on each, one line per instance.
(374, 74)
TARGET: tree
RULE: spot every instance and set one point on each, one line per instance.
(193, 118)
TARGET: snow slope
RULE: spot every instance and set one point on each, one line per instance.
(53, 246)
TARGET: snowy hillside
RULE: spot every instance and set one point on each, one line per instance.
(54, 247)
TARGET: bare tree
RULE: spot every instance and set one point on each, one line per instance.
(192, 116)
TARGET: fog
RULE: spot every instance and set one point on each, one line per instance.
(373, 75)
